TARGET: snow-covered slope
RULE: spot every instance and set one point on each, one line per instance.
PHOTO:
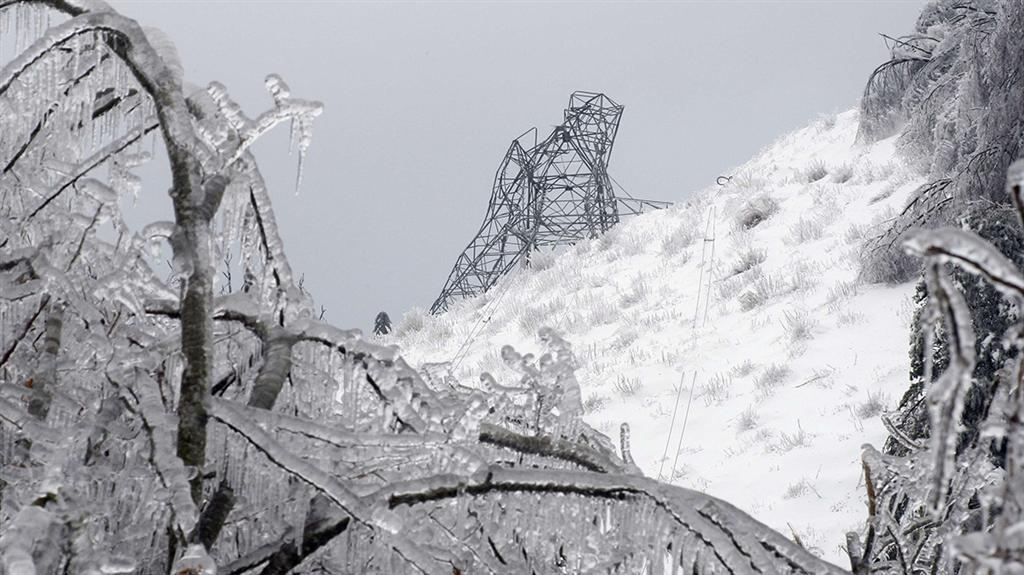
(790, 358)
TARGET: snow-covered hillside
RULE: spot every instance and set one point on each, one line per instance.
(747, 297)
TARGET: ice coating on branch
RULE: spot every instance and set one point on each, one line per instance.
(195, 561)
(972, 252)
(166, 49)
(162, 429)
(946, 394)
(300, 113)
(278, 89)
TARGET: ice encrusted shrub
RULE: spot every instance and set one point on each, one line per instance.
(886, 191)
(594, 403)
(949, 495)
(742, 369)
(762, 290)
(533, 317)
(813, 172)
(599, 311)
(678, 240)
(412, 322)
(747, 257)
(638, 291)
(849, 319)
(798, 325)
(747, 420)
(887, 265)
(872, 406)
(543, 259)
(627, 386)
(839, 295)
(756, 211)
(842, 173)
(790, 441)
(624, 337)
(716, 390)
(748, 180)
(805, 230)
(770, 378)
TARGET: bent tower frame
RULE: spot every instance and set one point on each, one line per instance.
(546, 194)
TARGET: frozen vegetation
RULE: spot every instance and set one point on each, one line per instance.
(592, 413)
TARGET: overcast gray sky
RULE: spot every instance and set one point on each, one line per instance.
(422, 100)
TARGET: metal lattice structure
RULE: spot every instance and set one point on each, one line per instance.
(546, 194)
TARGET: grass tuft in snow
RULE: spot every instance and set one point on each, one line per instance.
(748, 420)
(638, 292)
(595, 403)
(842, 173)
(678, 240)
(627, 386)
(749, 257)
(839, 295)
(873, 406)
(891, 266)
(742, 370)
(798, 325)
(412, 322)
(805, 230)
(542, 260)
(771, 378)
(791, 441)
(716, 390)
(756, 211)
(814, 171)
(762, 290)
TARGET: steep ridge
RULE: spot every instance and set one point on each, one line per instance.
(738, 318)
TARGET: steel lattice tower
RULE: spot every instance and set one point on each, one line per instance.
(546, 194)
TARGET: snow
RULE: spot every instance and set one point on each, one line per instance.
(789, 379)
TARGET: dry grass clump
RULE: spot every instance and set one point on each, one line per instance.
(742, 370)
(627, 386)
(814, 171)
(595, 403)
(771, 378)
(748, 258)
(842, 173)
(748, 420)
(678, 240)
(716, 390)
(761, 291)
(891, 266)
(412, 321)
(873, 406)
(805, 230)
(791, 441)
(756, 211)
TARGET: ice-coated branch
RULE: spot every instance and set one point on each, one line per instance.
(159, 427)
(946, 394)
(333, 435)
(389, 376)
(627, 455)
(729, 539)
(548, 446)
(25, 328)
(324, 522)
(213, 516)
(45, 376)
(973, 253)
(386, 523)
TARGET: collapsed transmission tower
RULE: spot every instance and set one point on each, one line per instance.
(546, 194)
